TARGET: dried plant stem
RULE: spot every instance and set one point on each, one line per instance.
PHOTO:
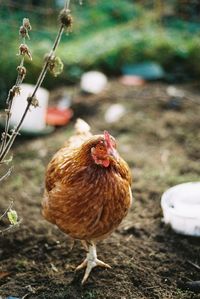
(11, 227)
(8, 139)
(9, 102)
(7, 143)
(6, 175)
(41, 77)
(67, 3)
(8, 208)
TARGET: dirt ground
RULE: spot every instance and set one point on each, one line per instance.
(159, 137)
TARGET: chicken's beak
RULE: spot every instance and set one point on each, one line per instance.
(112, 152)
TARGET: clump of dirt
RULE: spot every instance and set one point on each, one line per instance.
(148, 259)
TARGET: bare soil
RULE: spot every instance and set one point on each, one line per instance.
(159, 137)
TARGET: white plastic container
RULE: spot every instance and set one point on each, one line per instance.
(35, 120)
(181, 208)
(93, 82)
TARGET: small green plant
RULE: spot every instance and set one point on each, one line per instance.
(11, 216)
(90, 295)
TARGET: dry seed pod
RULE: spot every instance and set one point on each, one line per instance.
(24, 50)
(21, 71)
(56, 66)
(34, 101)
(23, 31)
(26, 24)
(66, 19)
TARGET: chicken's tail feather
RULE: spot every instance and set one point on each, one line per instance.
(81, 127)
(82, 133)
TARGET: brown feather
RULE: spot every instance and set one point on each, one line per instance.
(85, 200)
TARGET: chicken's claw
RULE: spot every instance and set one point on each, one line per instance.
(82, 265)
(90, 262)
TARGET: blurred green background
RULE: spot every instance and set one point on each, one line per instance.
(106, 35)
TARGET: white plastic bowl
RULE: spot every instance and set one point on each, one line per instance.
(181, 208)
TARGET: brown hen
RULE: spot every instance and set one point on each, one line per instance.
(87, 190)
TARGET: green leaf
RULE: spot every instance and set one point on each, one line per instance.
(12, 217)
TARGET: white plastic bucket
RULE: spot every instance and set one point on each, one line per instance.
(35, 119)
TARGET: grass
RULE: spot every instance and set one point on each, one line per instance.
(118, 35)
(90, 294)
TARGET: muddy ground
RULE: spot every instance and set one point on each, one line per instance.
(159, 137)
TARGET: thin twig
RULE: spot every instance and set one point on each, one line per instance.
(8, 114)
(152, 287)
(194, 265)
(10, 98)
(7, 174)
(67, 3)
(10, 227)
(8, 208)
(27, 294)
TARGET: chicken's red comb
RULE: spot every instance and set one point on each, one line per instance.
(107, 139)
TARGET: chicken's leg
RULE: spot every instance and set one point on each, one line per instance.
(90, 262)
(85, 245)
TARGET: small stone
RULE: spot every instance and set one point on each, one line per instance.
(172, 91)
(114, 113)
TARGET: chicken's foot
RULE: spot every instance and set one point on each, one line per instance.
(90, 262)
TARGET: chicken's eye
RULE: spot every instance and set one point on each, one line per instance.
(100, 147)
